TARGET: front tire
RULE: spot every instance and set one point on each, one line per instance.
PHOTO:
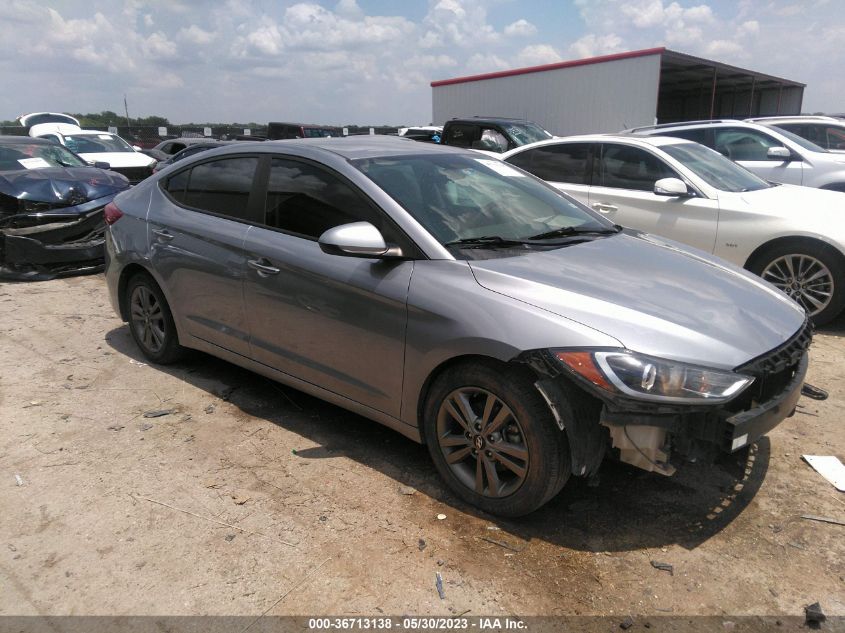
(811, 273)
(151, 322)
(493, 439)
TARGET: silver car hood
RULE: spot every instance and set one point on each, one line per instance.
(653, 295)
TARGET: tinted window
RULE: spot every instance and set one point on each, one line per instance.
(176, 184)
(556, 163)
(221, 186)
(463, 135)
(697, 136)
(835, 138)
(744, 144)
(627, 167)
(307, 200)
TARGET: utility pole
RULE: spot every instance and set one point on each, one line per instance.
(126, 110)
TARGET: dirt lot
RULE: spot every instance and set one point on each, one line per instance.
(248, 491)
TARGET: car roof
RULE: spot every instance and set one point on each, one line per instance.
(348, 147)
(24, 140)
(637, 139)
(798, 118)
(487, 119)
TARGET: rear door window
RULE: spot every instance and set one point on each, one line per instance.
(463, 135)
(221, 186)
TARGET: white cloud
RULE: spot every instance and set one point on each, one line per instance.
(537, 55)
(480, 63)
(158, 47)
(196, 35)
(461, 23)
(520, 28)
(148, 20)
(592, 45)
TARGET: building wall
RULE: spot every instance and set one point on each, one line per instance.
(603, 97)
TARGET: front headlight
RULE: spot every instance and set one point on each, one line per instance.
(648, 378)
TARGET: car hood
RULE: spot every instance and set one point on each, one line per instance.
(652, 295)
(789, 201)
(120, 159)
(66, 185)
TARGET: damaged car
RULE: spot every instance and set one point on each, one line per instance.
(51, 210)
(462, 302)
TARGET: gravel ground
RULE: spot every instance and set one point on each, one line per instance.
(244, 492)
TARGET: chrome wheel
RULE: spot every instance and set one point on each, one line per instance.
(804, 278)
(482, 442)
(147, 319)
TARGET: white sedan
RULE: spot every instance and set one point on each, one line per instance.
(794, 237)
(98, 147)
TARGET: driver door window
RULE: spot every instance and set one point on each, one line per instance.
(624, 167)
(740, 144)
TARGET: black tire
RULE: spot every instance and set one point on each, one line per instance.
(517, 423)
(770, 265)
(151, 322)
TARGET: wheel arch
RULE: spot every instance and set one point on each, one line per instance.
(790, 239)
(447, 364)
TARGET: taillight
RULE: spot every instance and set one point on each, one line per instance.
(112, 213)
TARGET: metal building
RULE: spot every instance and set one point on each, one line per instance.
(613, 92)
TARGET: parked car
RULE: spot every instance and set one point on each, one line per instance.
(773, 154)
(423, 133)
(459, 301)
(173, 145)
(37, 118)
(277, 131)
(825, 131)
(51, 210)
(491, 134)
(94, 146)
(190, 150)
(793, 237)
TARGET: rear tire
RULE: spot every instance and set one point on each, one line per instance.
(811, 273)
(151, 322)
(493, 439)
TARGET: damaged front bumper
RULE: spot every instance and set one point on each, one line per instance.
(44, 245)
(648, 434)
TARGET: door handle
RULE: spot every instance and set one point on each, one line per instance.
(263, 266)
(601, 207)
(163, 234)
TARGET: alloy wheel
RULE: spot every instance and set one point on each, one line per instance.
(804, 278)
(482, 442)
(147, 319)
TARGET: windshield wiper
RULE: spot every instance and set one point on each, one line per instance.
(488, 241)
(573, 230)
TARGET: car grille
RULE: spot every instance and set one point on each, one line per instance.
(134, 174)
(773, 370)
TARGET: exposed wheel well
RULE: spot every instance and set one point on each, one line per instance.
(125, 275)
(807, 242)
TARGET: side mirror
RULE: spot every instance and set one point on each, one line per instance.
(358, 239)
(778, 153)
(101, 165)
(674, 187)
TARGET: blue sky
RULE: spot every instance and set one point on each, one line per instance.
(371, 61)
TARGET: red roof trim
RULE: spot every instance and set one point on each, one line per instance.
(556, 66)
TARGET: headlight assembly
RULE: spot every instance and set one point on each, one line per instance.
(656, 379)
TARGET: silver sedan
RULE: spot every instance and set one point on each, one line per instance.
(459, 301)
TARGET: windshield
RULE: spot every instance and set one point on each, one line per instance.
(97, 143)
(800, 140)
(716, 170)
(524, 133)
(37, 156)
(458, 197)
